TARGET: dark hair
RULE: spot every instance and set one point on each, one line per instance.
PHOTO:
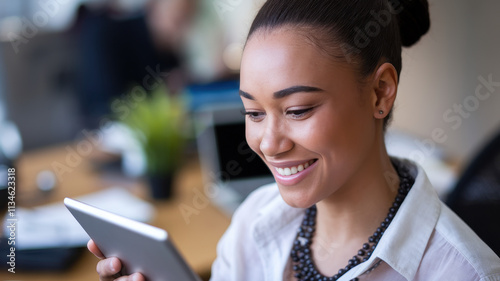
(361, 32)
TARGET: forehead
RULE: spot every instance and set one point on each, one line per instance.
(283, 46)
(281, 58)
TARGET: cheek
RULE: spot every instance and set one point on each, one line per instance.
(339, 133)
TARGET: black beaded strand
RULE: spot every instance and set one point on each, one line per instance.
(303, 265)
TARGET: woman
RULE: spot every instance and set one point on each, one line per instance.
(318, 82)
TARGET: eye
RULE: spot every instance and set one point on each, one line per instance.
(254, 116)
(299, 113)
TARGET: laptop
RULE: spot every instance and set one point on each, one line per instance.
(231, 170)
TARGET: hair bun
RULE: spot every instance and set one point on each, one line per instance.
(413, 18)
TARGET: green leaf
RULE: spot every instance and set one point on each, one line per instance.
(160, 124)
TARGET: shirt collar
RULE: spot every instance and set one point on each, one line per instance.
(275, 217)
(403, 244)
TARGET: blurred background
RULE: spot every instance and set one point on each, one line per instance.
(63, 62)
(77, 71)
(59, 57)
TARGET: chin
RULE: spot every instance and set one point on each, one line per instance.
(296, 199)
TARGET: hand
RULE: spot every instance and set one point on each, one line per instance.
(109, 268)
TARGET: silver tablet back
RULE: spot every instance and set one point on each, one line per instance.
(140, 247)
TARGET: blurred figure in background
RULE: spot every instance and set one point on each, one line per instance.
(122, 47)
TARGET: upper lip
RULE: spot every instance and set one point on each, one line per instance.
(287, 164)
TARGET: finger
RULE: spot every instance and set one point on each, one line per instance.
(94, 249)
(108, 267)
(133, 277)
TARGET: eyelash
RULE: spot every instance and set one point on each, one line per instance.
(295, 114)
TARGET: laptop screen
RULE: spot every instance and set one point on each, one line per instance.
(236, 159)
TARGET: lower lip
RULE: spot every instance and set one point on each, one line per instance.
(296, 178)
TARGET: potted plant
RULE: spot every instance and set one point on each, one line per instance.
(159, 121)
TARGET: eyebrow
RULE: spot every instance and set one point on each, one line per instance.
(285, 92)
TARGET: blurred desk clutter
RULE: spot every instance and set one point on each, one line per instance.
(51, 226)
(44, 227)
(10, 149)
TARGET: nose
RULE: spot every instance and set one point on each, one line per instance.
(274, 139)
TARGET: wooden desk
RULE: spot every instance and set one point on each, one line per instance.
(196, 240)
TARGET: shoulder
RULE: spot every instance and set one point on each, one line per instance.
(435, 244)
(464, 247)
(238, 255)
(455, 252)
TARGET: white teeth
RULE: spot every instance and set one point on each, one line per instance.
(293, 170)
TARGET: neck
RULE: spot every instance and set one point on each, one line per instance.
(355, 211)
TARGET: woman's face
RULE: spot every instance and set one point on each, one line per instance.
(308, 117)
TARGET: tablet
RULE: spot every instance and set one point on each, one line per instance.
(140, 247)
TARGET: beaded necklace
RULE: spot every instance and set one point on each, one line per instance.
(301, 254)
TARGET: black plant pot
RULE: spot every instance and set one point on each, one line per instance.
(161, 186)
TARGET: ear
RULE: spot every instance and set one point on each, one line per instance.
(385, 88)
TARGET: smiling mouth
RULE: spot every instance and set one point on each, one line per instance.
(288, 171)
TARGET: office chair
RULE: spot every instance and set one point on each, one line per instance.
(476, 196)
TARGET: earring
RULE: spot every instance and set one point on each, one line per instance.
(380, 112)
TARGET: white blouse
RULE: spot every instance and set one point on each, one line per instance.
(426, 241)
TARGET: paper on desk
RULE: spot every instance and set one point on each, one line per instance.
(53, 225)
